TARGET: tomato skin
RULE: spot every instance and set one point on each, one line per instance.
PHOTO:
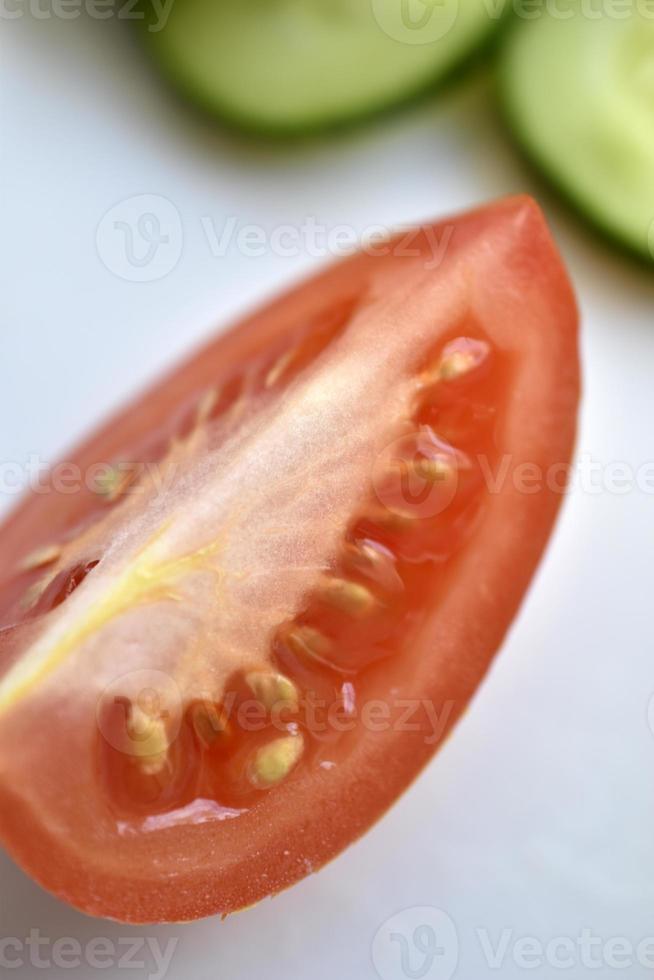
(502, 269)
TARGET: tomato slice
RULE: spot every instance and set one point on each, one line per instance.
(282, 573)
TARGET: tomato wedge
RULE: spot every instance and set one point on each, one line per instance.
(282, 573)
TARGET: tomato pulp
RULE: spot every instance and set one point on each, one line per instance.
(282, 574)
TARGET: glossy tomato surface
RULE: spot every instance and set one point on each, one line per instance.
(239, 619)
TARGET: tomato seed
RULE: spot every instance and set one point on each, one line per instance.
(273, 762)
(40, 558)
(273, 690)
(350, 597)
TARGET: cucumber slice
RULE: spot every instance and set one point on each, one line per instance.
(298, 65)
(578, 90)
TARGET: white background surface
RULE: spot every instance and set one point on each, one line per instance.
(537, 818)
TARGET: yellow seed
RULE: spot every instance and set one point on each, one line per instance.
(459, 357)
(272, 689)
(393, 519)
(432, 470)
(148, 740)
(373, 561)
(279, 368)
(351, 597)
(203, 410)
(32, 595)
(114, 481)
(41, 557)
(206, 406)
(273, 762)
(307, 641)
(456, 364)
(426, 469)
(364, 557)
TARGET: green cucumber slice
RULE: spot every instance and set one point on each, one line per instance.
(299, 65)
(577, 85)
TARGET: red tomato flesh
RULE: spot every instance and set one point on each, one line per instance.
(283, 573)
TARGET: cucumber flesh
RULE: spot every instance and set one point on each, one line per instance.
(579, 93)
(297, 65)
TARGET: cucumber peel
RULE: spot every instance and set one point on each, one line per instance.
(577, 87)
(296, 66)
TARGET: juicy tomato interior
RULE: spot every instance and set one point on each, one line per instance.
(385, 577)
(196, 690)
